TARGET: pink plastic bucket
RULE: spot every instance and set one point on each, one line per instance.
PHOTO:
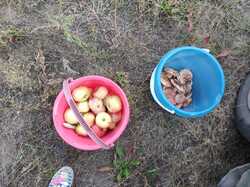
(85, 143)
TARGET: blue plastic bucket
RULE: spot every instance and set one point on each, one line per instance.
(208, 80)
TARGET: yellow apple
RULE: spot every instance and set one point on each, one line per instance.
(83, 107)
(96, 105)
(101, 92)
(81, 93)
(70, 117)
(80, 130)
(116, 117)
(113, 103)
(103, 119)
(89, 118)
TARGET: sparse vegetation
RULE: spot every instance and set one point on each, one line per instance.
(123, 166)
(167, 7)
(65, 23)
(10, 35)
(122, 78)
(175, 9)
(151, 176)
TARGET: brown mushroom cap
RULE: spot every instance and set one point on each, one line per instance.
(185, 75)
(171, 73)
(165, 81)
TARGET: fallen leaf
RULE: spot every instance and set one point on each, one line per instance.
(206, 39)
(224, 53)
(105, 169)
(190, 22)
(192, 39)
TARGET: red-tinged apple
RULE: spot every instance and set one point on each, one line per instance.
(80, 130)
(103, 119)
(99, 132)
(96, 105)
(83, 107)
(89, 118)
(113, 103)
(70, 117)
(81, 93)
(101, 92)
(116, 117)
(112, 125)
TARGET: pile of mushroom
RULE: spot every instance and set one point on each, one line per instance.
(177, 86)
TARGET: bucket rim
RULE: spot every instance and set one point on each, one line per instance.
(162, 96)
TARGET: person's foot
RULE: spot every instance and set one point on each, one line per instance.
(62, 178)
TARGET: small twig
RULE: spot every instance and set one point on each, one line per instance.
(190, 22)
(40, 60)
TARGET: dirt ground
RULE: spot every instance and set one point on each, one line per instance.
(122, 40)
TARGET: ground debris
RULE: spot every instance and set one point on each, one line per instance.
(105, 169)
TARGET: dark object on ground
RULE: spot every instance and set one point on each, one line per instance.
(243, 109)
(236, 177)
(244, 180)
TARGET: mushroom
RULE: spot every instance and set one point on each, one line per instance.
(180, 98)
(170, 92)
(178, 86)
(165, 80)
(187, 102)
(185, 76)
(171, 73)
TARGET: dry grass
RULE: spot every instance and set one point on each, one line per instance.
(122, 40)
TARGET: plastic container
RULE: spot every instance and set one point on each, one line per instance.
(85, 143)
(208, 80)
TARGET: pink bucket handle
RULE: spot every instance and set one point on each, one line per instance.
(73, 107)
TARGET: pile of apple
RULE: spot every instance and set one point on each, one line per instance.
(101, 111)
